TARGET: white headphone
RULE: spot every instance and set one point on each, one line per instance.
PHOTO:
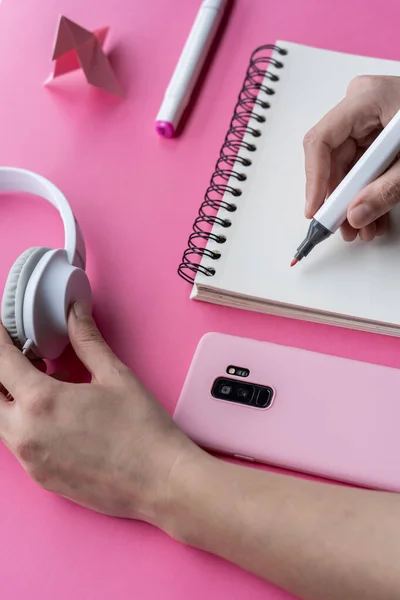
(43, 283)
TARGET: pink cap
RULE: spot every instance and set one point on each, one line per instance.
(165, 129)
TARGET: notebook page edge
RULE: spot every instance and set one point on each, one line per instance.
(203, 294)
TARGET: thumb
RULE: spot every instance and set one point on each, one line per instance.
(376, 199)
(89, 344)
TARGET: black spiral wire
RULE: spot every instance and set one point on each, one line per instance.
(246, 120)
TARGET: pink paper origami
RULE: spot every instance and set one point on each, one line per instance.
(76, 47)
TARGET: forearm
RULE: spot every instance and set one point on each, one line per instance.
(318, 541)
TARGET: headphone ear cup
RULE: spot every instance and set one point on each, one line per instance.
(14, 291)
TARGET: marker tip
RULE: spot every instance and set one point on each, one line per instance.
(294, 262)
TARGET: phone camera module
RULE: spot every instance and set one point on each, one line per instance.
(239, 392)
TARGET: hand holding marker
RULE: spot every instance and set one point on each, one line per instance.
(370, 166)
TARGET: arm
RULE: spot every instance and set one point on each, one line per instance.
(111, 447)
(318, 541)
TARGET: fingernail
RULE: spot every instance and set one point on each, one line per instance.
(81, 309)
(360, 216)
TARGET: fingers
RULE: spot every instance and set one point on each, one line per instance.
(17, 373)
(341, 160)
(377, 199)
(368, 233)
(382, 225)
(317, 155)
(38, 363)
(349, 234)
(367, 140)
(352, 117)
(89, 344)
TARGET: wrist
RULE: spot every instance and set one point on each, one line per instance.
(202, 499)
(167, 493)
(188, 497)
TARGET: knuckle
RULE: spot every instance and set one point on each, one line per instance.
(389, 194)
(364, 83)
(27, 449)
(311, 137)
(40, 402)
(89, 334)
(377, 92)
(40, 476)
(35, 458)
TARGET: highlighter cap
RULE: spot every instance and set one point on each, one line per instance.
(165, 129)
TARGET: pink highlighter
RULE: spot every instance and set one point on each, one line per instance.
(189, 66)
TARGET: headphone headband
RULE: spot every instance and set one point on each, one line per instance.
(20, 180)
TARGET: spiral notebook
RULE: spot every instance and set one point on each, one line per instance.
(252, 217)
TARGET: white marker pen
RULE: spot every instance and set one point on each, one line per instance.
(189, 66)
(333, 212)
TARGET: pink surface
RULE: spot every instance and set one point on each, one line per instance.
(136, 196)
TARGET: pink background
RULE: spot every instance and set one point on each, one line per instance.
(136, 197)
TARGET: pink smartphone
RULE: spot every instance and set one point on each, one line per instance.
(318, 414)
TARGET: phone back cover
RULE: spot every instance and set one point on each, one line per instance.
(331, 417)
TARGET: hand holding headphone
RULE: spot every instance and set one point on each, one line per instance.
(43, 283)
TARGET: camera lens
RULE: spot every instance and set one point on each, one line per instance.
(225, 389)
(244, 393)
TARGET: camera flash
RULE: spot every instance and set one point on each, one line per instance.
(238, 371)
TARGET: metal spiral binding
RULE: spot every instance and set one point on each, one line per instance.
(245, 120)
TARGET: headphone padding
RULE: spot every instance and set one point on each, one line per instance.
(14, 291)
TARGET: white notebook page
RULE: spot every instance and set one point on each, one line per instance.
(359, 280)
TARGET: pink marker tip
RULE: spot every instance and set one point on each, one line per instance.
(165, 129)
(294, 262)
